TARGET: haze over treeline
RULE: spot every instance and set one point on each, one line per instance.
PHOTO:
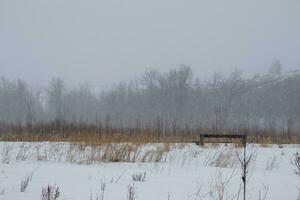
(106, 41)
(175, 98)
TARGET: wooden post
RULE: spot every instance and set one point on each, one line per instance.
(201, 142)
(245, 165)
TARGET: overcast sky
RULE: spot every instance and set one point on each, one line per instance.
(106, 41)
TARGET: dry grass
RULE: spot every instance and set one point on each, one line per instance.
(96, 139)
(143, 138)
(82, 153)
(97, 134)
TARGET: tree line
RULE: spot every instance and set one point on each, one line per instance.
(170, 101)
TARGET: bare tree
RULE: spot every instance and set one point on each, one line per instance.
(56, 92)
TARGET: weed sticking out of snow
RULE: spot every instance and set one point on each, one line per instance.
(6, 153)
(139, 177)
(116, 179)
(25, 182)
(131, 192)
(101, 195)
(50, 192)
(225, 159)
(296, 163)
(262, 195)
(298, 197)
(24, 151)
(272, 163)
(169, 196)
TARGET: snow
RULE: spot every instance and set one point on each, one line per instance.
(186, 172)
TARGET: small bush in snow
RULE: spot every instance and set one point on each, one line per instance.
(92, 197)
(296, 163)
(101, 196)
(6, 153)
(139, 177)
(131, 192)
(169, 196)
(272, 163)
(50, 192)
(298, 198)
(103, 186)
(25, 182)
(224, 159)
(23, 152)
(262, 195)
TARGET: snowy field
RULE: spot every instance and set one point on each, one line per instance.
(149, 172)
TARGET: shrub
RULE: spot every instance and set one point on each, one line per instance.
(224, 159)
(6, 153)
(296, 163)
(25, 182)
(131, 193)
(272, 163)
(139, 177)
(50, 192)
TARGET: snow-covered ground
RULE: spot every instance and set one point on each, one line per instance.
(170, 172)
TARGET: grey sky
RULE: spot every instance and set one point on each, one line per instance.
(105, 41)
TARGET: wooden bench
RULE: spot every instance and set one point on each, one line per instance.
(222, 138)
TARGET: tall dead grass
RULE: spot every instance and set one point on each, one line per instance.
(82, 153)
(96, 134)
